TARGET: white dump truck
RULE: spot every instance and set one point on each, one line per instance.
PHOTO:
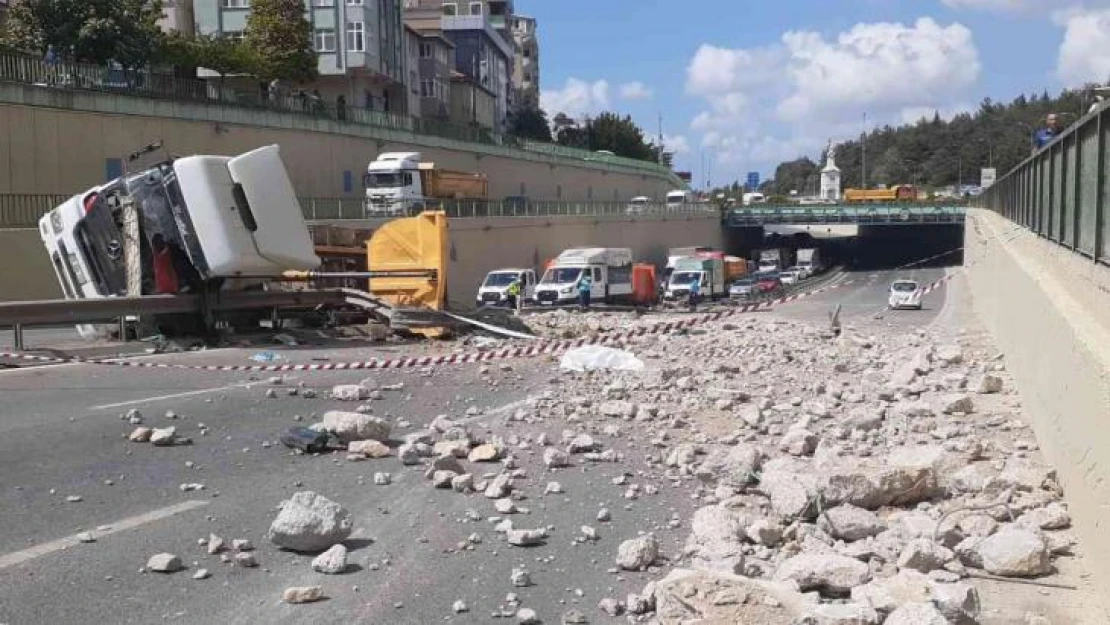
(228, 223)
(610, 269)
(400, 182)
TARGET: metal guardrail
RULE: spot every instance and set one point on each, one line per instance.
(24, 211)
(892, 214)
(1060, 192)
(30, 70)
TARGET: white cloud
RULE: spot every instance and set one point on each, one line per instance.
(678, 144)
(914, 114)
(577, 98)
(820, 87)
(1084, 55)
(883, 66)
(636, 90)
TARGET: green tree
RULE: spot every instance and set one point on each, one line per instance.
(797, 175)
(619, 135)
(93, 31)
(530, 123)
(279, 37)
(217, 52)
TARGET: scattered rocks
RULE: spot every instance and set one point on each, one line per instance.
(164, 563)
(310, 523)
(638, 553)
(331, 562)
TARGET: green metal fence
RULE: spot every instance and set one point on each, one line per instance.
(149, 84)
(1060, 192)
(24, 211)
(909, 214)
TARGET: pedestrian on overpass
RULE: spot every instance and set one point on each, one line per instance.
(585, 286)
(1045, 135)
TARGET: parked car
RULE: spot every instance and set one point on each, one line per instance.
(905, 294)
(768, 282)
(790, 276)
(744, 287)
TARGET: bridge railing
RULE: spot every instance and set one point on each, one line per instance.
(25, 69)
(892, 214)
(1060, 192)
(24, 211)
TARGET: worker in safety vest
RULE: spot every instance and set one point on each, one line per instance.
(512, 294)
(585, 287)
(165, 275)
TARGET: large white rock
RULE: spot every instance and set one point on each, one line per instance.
(735, 467)
(988, 384)
(638, 553)
(792, 486)
(906, 476)
(1051, 517)
(164, 563)
(850, 523)
(924, 555)
(331, 562)
(885, 595)
(950, 404)
(715, 540)
(355, 426)
(370, 449)
(829, 573)
(302, 594)
(958, 602)
(798, 442)
(1014, 552)
(916, 614)
(309, 522)
(350, 392)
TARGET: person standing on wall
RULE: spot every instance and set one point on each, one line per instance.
(1045, 135)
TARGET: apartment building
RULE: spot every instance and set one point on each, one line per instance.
(360, 45)
(431, 65)
(526, 63)
(177, 16)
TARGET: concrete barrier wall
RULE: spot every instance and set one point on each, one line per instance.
(58, 141)
(1047, 309)
(477, 245)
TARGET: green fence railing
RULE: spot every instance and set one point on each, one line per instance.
(20, 68)
(1061, 191)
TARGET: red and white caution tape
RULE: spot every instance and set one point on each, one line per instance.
(537, 348)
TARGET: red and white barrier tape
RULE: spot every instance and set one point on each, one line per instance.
(537, 348)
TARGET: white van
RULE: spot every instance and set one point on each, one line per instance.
(610, 269)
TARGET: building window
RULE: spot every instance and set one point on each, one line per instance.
(427, 88)
(450, 8)
(323, 3)
(354, 3)
(236, 4)
(426, 50)
(356, 36)
(475, 8)
(325, 40)
(236, 35)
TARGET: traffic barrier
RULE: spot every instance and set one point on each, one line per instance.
(537, 348)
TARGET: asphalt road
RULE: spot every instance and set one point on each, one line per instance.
(61, 435)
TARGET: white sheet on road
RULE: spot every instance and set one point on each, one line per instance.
(594, 357)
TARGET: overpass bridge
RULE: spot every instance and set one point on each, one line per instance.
(846, 214)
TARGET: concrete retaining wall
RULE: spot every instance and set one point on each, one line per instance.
(1047, 309)
(477, 245)
(58, 141)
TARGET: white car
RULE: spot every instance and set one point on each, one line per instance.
(802, 272)
(789, 277)
(905, 294)
(637, 205)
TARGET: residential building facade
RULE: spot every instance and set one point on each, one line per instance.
(472, 104)
(360, 45)
(526, 63)
(177, 16)
(435, 62)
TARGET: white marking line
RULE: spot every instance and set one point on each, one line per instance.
(156, 398)
(19, 557)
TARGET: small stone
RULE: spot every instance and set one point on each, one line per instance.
(86, 537)
(75, 498)
(163, 437)
(484, 453)
(555, 458)
(553, 488)
(923, 555)
(242, 544)
(331, 562)
(302, 594)
(215, 544)
(202, 574)
(459, 607)
(588, 532)
(164, 563)
(526, 538)
(382, 479)
(527, 616)
(520, 578)
(916, 614)
(246, 559)
(505, 506)
(574, 617)
(610, 606)
(603, 515)
(443, 479)
(140, 435)
(638, 553)
(370, 448)
(463, 483)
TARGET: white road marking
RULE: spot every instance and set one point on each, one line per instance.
(19, 557)
(157, 398)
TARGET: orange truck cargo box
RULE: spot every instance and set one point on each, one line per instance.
(445, 184)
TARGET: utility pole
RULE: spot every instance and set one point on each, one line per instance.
(863, 155)
(661, 138)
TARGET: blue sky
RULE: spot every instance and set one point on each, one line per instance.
(747, 84)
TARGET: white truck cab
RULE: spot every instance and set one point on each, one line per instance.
(495, 288)
(679, 198)
(610, 270)
(393, 184)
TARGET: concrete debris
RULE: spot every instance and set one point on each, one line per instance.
(527, 616)
(302, 594)
(715, 541)
(611, 606)
(735, 467)
(246, 560)
(459, 606)
(370, 448)
(526, 538)
(1014, 552)
(202, 574)
(331, 562)
(555, 458)
(953, 404)
(885, 595)
(638, 553)
(163, 437)
(988, 384)
(798, 442)
(350, 392)
(310, 523)
(140, 435)
(916, 614)
(850, 523)
(216, 545)
(164, 563)
(829, 574)
(924, 555)
(499, 487)
(354, 426)
(382, 479)
(485, 453)
(520, 578)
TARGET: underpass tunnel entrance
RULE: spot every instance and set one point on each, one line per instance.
(891, 247)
